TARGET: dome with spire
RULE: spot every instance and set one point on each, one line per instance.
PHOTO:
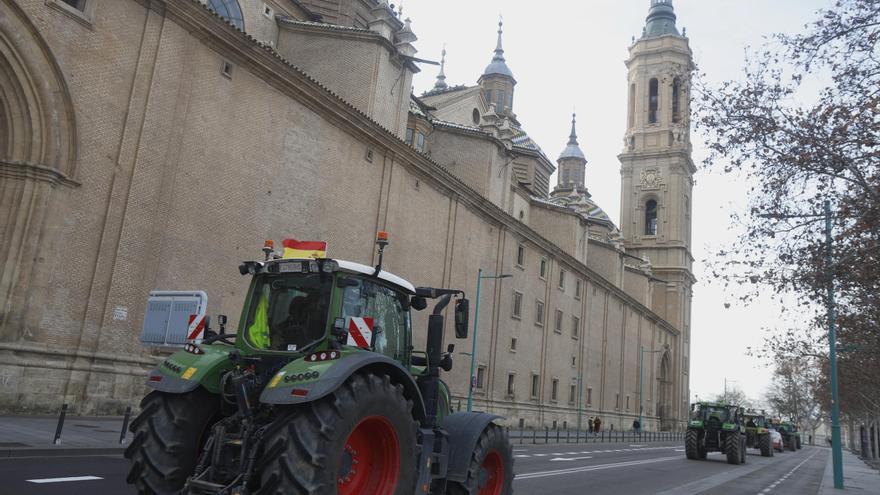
(498, 66)
(661, 19)
(572, 150)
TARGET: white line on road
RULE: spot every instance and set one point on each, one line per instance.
(65, 480)
(570, 458)
(785, 477)
(558, 472)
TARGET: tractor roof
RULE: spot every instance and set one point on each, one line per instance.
(352, 267)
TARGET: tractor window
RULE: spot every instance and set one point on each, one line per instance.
(706, 412)
(289, 312)
(391, 321)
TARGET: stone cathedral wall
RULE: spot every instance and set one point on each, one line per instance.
(183, 170)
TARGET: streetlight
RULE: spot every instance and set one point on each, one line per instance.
(836, 448)
(642, 352)
(480, 277)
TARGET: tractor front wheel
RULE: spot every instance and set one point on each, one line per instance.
(692, 444)
(491, 468)
(168, 437)
(359, 440)
(733, 447)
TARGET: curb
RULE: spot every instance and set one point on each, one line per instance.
(61, 451)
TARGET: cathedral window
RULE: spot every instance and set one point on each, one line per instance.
(539, 313)
(420, 142)
(521, 255)
(502, 100)
(229, 10)
(632, 106)
(410, 133)
(554, 390)
(77, 4)
(475, 116)
(487, 94)
(651, 217)
(653, 100)
(676, 100)
(517, 305)
(536, 380)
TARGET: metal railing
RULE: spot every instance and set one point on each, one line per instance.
(548, 435)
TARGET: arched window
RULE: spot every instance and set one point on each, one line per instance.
(676, 100)
(631, 121)
(475, 116)
(229, 10)
(502, 100)
(653, 100)
(651, 217)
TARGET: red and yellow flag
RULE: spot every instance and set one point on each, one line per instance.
(304, 249)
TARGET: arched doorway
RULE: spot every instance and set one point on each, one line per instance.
(664, 393)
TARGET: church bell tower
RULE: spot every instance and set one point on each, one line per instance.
(657, 170)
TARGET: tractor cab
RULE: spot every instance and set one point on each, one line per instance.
(715, 426)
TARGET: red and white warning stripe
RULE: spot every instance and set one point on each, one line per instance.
(360, 331)
(196, 327)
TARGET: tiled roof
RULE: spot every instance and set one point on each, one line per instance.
(327, 27)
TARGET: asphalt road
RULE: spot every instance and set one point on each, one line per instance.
(618, 469)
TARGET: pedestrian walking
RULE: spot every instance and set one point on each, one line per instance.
(590, 424)
(597, 425)
(637, 427)
(612, 427)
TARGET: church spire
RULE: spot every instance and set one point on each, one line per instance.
(573, 137)
(498, 66)
(499, 52)
(661, 19)
(441, 77)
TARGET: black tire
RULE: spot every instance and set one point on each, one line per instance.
(789, 443)
(307, 446)
(743, 451)
(733, 446)
(493, 442)
(765, 446)
(168, 436)
(692, 444)
(797, 442)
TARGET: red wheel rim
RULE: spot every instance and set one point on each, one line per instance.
(491, 474)
(370, 463)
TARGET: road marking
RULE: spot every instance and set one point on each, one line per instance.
(570, 458)
(679, 450)
(559, 472)
(786, 476)
(64, 480)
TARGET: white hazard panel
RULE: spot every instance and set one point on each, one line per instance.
(360, 331)
(174, 318)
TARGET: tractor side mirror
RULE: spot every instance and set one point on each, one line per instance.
(221, 322)
(462, 310)
(418, 303)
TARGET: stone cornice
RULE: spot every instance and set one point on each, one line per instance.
(266, 64)
(33, 171)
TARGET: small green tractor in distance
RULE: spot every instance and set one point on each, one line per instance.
(318, 392)
(791, 438)
(716, 427)
(757, 434)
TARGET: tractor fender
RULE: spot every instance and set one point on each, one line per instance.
(341, 371)
(463, 430)
(183, 372)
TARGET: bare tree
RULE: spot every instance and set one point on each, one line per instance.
(800, 147)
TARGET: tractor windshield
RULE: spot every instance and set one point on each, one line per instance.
(289, 312)
(708, 412)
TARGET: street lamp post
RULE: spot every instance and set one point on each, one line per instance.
(642, 352)
(480, 277)
(836, 447)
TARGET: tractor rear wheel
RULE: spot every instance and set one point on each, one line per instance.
(491, 468)
(797, 442)
(361, 439)
(692, 444)
(733, 446)
(168, 437)
(765, 446)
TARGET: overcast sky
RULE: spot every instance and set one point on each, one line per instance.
(569, 55)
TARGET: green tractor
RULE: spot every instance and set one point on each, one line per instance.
(791, 438)
(757, 434)
(716, 427)
(318, 392)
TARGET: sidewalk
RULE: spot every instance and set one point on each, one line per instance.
(31, 436)
(857, 476)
